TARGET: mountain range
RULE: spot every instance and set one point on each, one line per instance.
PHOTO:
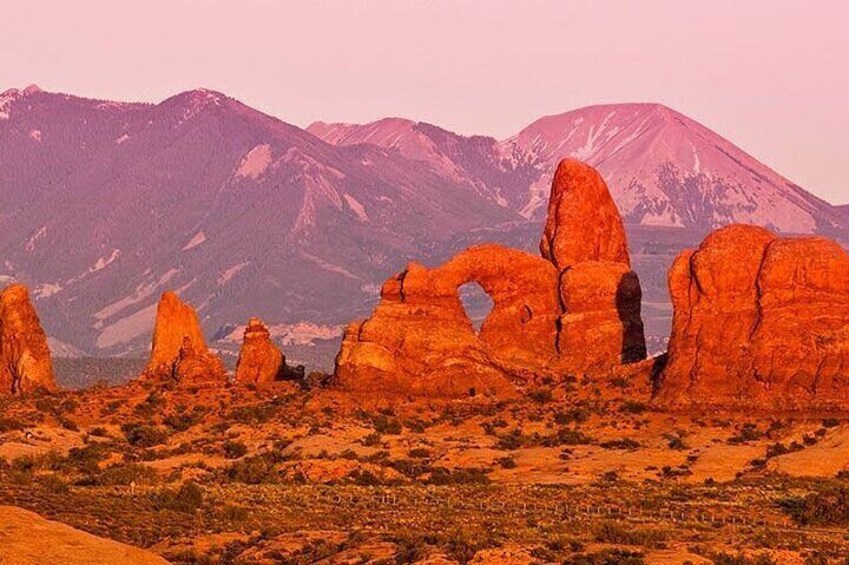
(103, 205)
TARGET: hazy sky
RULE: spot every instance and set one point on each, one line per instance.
(772, 76)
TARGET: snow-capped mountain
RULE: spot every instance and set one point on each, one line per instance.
(104, 205)
(663, 168)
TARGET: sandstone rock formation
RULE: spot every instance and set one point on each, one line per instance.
(583, 223)
(260, 360)
(179, 349)
(25, 363)
(759, 321)
(575, 310)
(601, 324)
(420, 340)
(29, 539)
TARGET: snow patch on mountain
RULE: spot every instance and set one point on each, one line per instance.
(142, 292)
(196, 240)
(255, 162)
(46, 290)
(104, 262)
(227, 275)
(32, 241)
(357, 207)
(300, 333)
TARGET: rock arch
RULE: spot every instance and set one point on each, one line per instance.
(574, 310)
(420, 340)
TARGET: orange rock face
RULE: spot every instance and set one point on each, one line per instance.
(583, 223)
(575, 310)
(601, 326)
(260, 360)
(759, 321)
(179, 348)
(25, 364)
(420, 340)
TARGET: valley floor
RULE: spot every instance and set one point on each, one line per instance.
(583, 472)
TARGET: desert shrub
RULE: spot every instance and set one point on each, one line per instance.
(611, 532)
(364, 478)
(372, 440)
(139, 435)
(633, 407)
(442, 476)
(577, 415)
(749, 432)
(181, 421)
(607, 557)
(507, 463)
(541, 395)
(188, 498)
(53, 483)
(741, 559)
(828, 506)
(567, 436)
(384, 424)
(148, 408)
(252, 415)
(676, 442)
(86, 459)
(234, 449)
(626, 443)
(419, 453)
(10, 425)
(115, 475)
(254, 470)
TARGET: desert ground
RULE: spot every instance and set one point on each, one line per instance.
(575, 472)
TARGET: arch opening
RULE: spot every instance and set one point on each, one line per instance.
(477, 304)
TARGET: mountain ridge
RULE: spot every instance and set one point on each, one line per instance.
(107, 204)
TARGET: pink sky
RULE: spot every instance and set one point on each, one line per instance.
(772, 76)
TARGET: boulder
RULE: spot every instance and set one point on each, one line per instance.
(759, 322)
(179, 349)
(260, 360)
(25, 364)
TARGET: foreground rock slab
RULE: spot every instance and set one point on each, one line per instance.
(25, 364)
(28, 539)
